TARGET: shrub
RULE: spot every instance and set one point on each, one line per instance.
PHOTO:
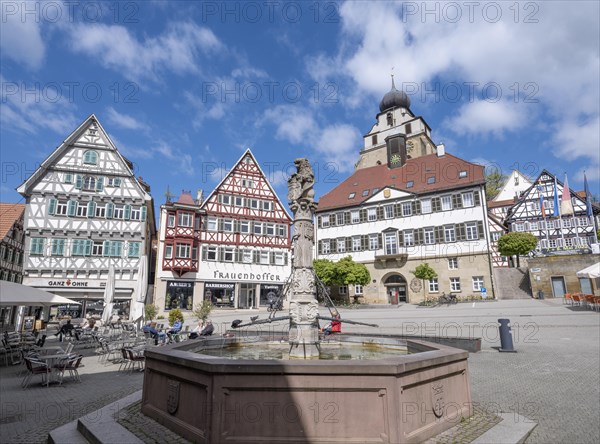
(202, 310)
(150, 311)
(174, 315)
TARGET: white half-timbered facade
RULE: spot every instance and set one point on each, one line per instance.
(245, 237)
(86, 211)
(512, 189)
(12, 237)
(564, 234)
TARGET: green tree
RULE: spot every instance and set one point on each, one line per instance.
(425, 273)
(516, 243)
(343, 272)
(174, 315)
(202, 310)
(150, 311)
(494, 183)
(325, 271)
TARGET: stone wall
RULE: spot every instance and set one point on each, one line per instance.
(542, 269)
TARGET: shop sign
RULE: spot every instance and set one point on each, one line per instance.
(68, 283)
(175, 284)
(219, 285)
(259, 277)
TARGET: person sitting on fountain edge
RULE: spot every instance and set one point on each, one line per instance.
(334, 326)
(208, 329)
(197, 330)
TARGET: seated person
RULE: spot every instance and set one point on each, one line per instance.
(208, 329)
(197, 330)
(176, 328)
(335, 326)
(67, 329)
(154, 333)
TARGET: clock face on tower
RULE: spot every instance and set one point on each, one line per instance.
(395, 159)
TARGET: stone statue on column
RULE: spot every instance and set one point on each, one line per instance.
(304, 332)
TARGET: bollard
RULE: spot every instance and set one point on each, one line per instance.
(506, 342)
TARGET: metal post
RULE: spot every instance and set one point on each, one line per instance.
(506, 341)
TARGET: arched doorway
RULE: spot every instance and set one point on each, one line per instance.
(395, 288)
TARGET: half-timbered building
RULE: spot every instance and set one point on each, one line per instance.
(408, 202)
(11, 252)
(233, 248)
(87, 212)
(560, 234)
(514, 186)
(177, 283)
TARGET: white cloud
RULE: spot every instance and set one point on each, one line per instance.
(294, 123)
(123, 120)
(132, 152)
(338, 144)
(183, 160)
(21, 37)
(481, 117)
(27, 108)
(177, 49)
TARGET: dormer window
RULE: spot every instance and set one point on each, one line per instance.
(351, 195)
(90, 157)
(462, 174)
(410, 184)
(431, 180)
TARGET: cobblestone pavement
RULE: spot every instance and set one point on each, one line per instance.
(553, 379)
(148, 430)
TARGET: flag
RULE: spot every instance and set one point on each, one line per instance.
(566, 206)
(556, 206)
(588, 197)
(542, 206)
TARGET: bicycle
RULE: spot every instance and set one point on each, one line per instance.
(444, 299)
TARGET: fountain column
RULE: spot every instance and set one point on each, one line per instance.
(304, 331)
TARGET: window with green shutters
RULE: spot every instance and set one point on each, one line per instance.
(78, 181)
(37, 246)
(100, 184)
(58, 247)
(144, 211)
(91, 209)
(71, 208)
(81, 247)
(52, 206)
(110, 209)
(113, 248)
(68, 178)
(134, 249)
(127, 212)
(90, 157)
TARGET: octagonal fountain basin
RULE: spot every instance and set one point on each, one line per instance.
(370, 390)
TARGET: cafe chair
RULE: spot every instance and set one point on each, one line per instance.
(35, 367)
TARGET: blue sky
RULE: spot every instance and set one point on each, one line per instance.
(183, 88)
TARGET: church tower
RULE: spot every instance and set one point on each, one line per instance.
(397, 136)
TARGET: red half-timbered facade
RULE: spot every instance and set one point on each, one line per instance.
(245, 237)
(181, 235)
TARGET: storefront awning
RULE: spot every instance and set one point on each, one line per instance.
(591, 272)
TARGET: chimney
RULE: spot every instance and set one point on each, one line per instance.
(441, 150)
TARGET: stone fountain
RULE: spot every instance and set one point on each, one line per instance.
(408, 396)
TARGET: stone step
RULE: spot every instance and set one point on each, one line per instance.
(67, 434)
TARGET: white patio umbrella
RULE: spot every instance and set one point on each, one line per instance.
(12, 293)
(591, 272)
(109, 295)
(137, 310)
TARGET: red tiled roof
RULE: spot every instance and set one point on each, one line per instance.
(9, 213)
(418, 170)
(186, 199)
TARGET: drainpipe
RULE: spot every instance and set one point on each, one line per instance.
(487, 239)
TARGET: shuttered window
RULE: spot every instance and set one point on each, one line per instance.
(134, 249)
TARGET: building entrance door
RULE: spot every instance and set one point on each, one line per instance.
(558, 287)
(246, 296)
(395, 286)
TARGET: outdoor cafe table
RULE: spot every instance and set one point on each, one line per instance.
(50, 361)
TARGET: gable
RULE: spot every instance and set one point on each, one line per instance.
(387, 193)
